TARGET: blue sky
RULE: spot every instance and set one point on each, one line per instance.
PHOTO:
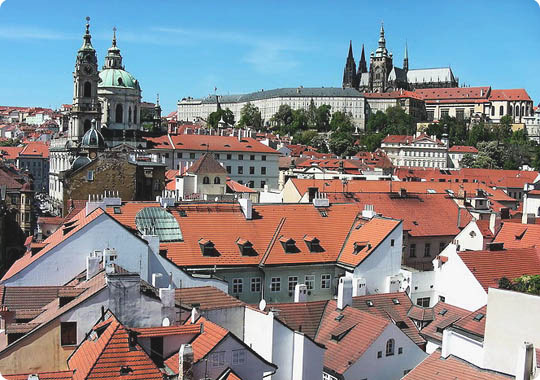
(185, 48)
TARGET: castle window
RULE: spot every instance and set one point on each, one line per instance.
(119, 113)
(206, 180)
(510, 110)
(517, 110)
(87, 90)
(135, 115)
(217, 181)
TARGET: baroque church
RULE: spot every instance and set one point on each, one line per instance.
(383, 76)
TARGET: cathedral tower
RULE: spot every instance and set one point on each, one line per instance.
(86, 106)
(362, 65)
(349, 73)
(406, 59)
(380, 66)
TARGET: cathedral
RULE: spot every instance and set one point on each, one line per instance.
(383, 76)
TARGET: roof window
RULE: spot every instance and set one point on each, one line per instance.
(443, 312)
(160, 222)
(207, 247)
(370, 303)
(395, 301)
(313, 244)
(245, 247)
(117, 210)
(289, 245)
(478, 317)
(359, 247)
(339, 317)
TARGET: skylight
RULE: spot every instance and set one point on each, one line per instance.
(443, 312)
(155, 220)
(395, 301)
(369, 303)
(478, 317)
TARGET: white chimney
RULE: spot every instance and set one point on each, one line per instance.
(368, 212)
(195, 313)
(300, 293)
(109, 257)
(185, 362)
(247, 207)
(92, 265)
(345, 291)
(359, 287)
(155, 276)
(525, 365)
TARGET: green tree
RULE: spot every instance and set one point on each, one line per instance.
(215, 117)
(322, 118)
(250, 116)
(283, 117)
(319, 142)
(478, 133)
(503, 131)
(377, 123)
(305, 137)
(300, 121)
(399, 122)
(341, 122)
(468, 160)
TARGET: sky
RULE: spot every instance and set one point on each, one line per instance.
(189, 48)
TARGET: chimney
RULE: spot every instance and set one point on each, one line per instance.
(368, 212)
(153, 242)
(168, 306)
(185, 362)
(359, 287)
(125, 290)
(525, 366)
(494, 223)
(195, 312)
(247, 207)
(345, 291)
(300, 293)
(92, 264)
(109, 257)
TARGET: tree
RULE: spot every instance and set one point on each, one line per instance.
(377, 123)
(399, 122)
(215, 117)
(478, 133)
(468, 160)
(525, 284)
(305, 137)
(283, 117)
(503, 130)
(322, 118)
(300, 121)
(370, 141)
(319, 143)
(341, 122)
(250, 116)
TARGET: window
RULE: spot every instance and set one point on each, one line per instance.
(427, 250)
(166, 155)
(256, 284)
(252, 170)
(238, 285)
(263, 170)
(229, 169)
(238, 357)
(229, 156)
(275, 284)
(90, 175)
(129, 115)
(240, 156)
(493, 111)
(501, 111)
(119, 114)
(310, 281)
(68, 333)
(135, 114)
(218, 359)
(390, 347)
(217, 181)
(326, 376)
(263, 184)
(325, 281)
(442, 298)
(412, 250)
(252, 157)
(179, 155)
(251, 184)
(379, 354)
(392, 242)
(206, 180)
(423, 301)
(293, 280)
(216, 156)
(192, 155)
(400, 350)
(87, 92)
(263, 158)
(240, 170)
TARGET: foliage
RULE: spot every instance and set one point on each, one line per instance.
(319, 143)
(147, 114)
(283, 117)
(525, 284)
(341, 141)
(341, 122)
(250, 116)
(215, 117)
(9, 142)
(395, 121)
(305, 137)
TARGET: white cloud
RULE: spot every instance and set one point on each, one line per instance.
(1, 2)
(538, 2)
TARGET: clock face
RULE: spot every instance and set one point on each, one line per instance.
(88, 69)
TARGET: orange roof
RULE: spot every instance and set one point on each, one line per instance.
(444, 315)
(150, 332)
(68, 230)
(490, 266)
(393, 95)
(10, 152)
(105, 352)
(463, 149)
(219, 144)
(483, 226)
(517, 235)
(450, 368)
(300, 316)
(35, 149)
(60, 375)
(161, 142)
(454, 94)
(510, 94)
(206, 164)
(347, 338)
(236, 187)
(470, 324)
(208, 298)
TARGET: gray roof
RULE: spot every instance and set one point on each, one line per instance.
(398, 74)
(439, 74)
(286, 93)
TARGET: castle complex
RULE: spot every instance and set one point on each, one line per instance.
(383, 76)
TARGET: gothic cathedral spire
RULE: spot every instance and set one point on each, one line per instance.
(349, 73)
(406, 59)
(362, 65)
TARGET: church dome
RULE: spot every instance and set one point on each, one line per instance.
(80, 162)
(117, 78)
(93, 139)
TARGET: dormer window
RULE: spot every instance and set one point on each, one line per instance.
(359, 247)
(313, 244)
(245, 247)
(207, 247)
(289, 244)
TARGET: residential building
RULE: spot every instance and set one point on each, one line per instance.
(346, 100)
(532, 125)
(34, 157)
(17, 197)
(456, 153)
(419, 150)
(205, 178)
(409, 101)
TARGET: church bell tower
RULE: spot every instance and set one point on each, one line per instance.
(86, 106)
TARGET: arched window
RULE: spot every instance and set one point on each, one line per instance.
(129, 115)
(492, 111)
(390, 347)
(517, 110)
(501, 110)
(119, 113)
(87, 93)
(135, 115)
(510, 110)
(87, 125)
(522, 110)
(217, 181)
(206, 180)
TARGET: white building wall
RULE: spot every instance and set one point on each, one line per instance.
(463, 347)
(368, 366)
(470, 238)
(308, 358)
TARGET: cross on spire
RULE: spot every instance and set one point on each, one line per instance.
(114, 36)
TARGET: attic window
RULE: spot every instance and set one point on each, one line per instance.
(478, 317)
(401, 325)
(359, 247)
(339, 317)
(443, 312)
(313, 244)
(207, 247)
(125, 370)
(68, 229)
(182, 213)
(249, 146)
(370, 303)
(289, 245)
(117, 210)
(246, 247)
(520, 236)
(227, 146)
(338, 336)
(395, 301)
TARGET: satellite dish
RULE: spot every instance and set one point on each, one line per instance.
(262, 305)
(166, 322)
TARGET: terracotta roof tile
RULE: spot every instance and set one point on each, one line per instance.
(444, 315)
(483, 226)
(208, 298)
(300, 316)
(451, 368)
(462, 149)
(517, 235)
(32, 297)
(206, 164)
(454, 94)
(59, 375)
(474, 322)
(220, 144)
(149, 332)
(35, 149)
(510, 94)
(236, 187)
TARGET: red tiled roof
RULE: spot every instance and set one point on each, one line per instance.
(59, 375)
(469, 324)
(510, 94)
(517, 235)
(35, 149)
(208, 298)
(393, 95)
(462, 149)
(460, 94)
(56, 220)
(236, 187)
(206, 164)
(10, 152)
(220, 144)
(300, 316)
(105, 355)
(490, 266)
(397, 139)
(483, 226)
(161, 142)
(444, 315)
(357, 330)
(228, 374)
(450, 368)
(31, 297)
(8, 178)
(150, 332)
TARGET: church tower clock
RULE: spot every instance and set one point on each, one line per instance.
(86, 106)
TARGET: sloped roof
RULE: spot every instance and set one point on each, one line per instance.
(469, 324)
(35, 149)
(228, 374)
(215, 143)
(490, 266)
(10, 152)
(206, 164)
(510, 94)
(462, 149)
(438, 74)
(32, 297)
(236, 187)
(517, 235)
(106, 355)
(208, 298)
(455, 94)
(300, 316)
(450, 368)
(444, 315)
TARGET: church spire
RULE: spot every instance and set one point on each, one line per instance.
(113, 60)
(381, 50)
(362, 65)
(350, 56)
(406, 58)
(87, 38)
(349, 73)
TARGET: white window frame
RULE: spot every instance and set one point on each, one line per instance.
(326, 281)
(290, 280)
(238, 357)
(277, 283)
(238, 284)
(310, 281)
(256, 281)
(218, 359)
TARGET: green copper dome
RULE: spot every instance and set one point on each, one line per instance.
(117, 78)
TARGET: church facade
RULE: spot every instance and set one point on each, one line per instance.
(382, 76)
